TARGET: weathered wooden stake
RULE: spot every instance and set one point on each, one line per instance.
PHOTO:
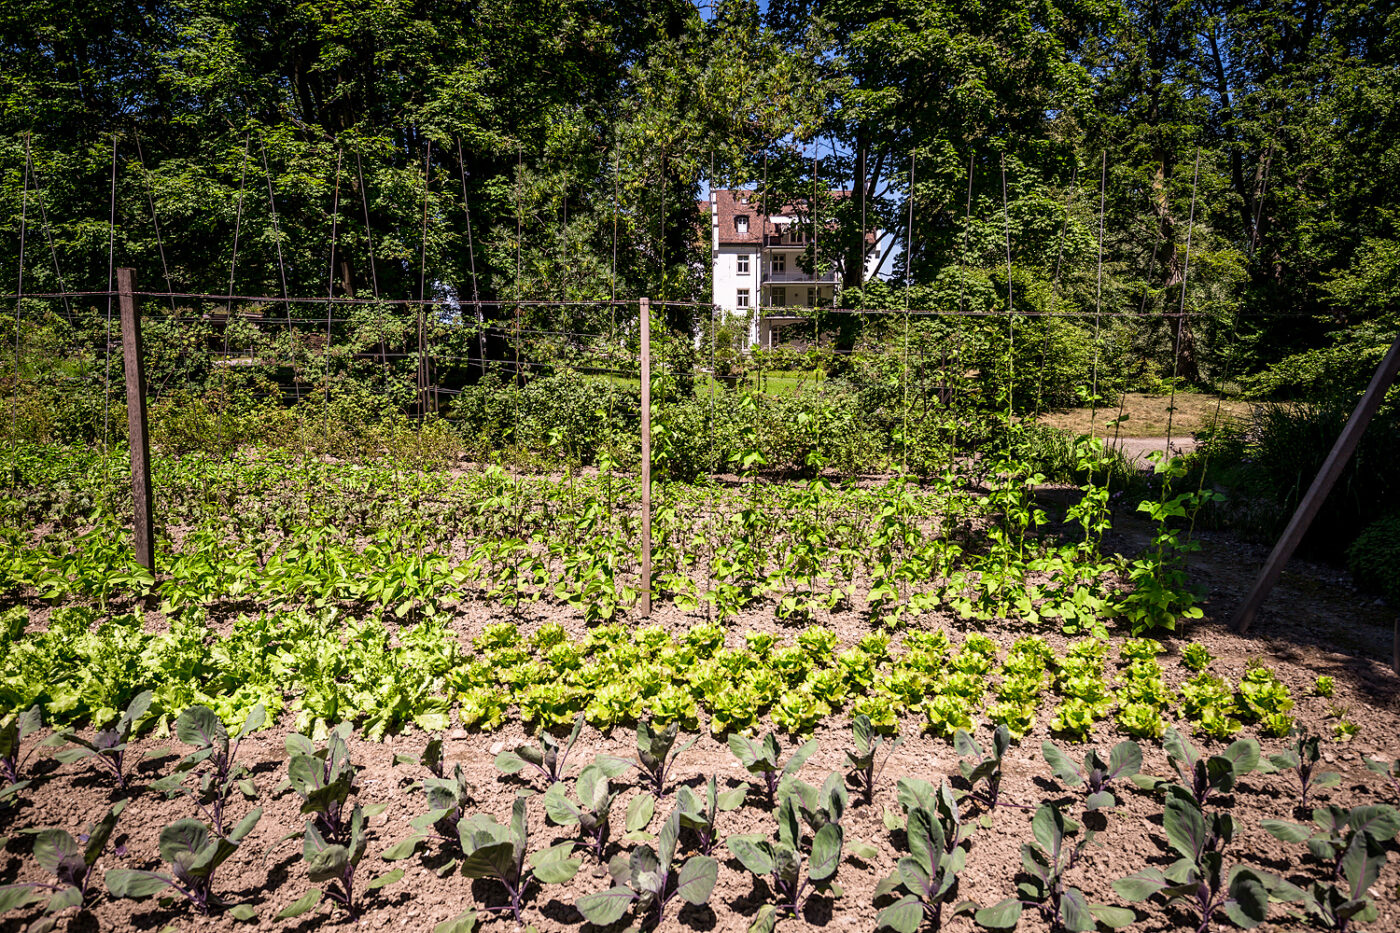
(646, 458)
(143, 529)
(1317, 493)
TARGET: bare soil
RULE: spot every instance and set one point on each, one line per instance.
(1315, 623)
(1150, 415)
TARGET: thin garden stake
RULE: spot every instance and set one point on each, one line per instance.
(1181, 309)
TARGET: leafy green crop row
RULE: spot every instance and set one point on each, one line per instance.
(327, 669)
(294, 534)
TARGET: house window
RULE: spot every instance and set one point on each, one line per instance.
(741, 299)
(741, 223)
(743, 262)
(811, 297)
(780, 297)
(779, 263)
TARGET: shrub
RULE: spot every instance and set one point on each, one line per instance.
(1374, 557)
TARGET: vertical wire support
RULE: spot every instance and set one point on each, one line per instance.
(1010, 308)
(1054, 289)
(155, 219)
(644, 584)
(1098, 301)
(111, 285)
(48, 236)
(369, 235)
(233, 265)
(967, 229)
(471, 260)
(1181, 308)
(908, 271)
(330, 281)
(281, 267)
(19, 309)
(422, 289)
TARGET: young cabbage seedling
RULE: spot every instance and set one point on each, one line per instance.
(214, 762)
(1198, 881)
(760, 758)
(1199, 778)
(861, 761)
(1095, 776)
(1048, 860)
(193, 853)
(450, 795)
(928, 875)
(1302, 758)
(985, 766)
(59, 854)
(12, 735)
(651, 880)
(107, 748)
(1336, 832)
(324, 778)
(431, 759)
(1390, 770)
(941, 801)
(590, 813)
(499, 852)
(821, 805)
(782, 863)
(1334, 906)
(698, 813)
(654, 755)
(549, 758)
(332, 862)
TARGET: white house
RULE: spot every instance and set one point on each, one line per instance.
(756, 262)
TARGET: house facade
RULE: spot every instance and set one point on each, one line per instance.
(757, 269)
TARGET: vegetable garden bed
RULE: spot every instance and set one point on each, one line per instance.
(482, 659)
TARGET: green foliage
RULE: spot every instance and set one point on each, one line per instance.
(70, 866)
(651, 880)
(193, 853)
(1374, 557)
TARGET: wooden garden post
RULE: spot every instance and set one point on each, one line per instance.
(143, 529)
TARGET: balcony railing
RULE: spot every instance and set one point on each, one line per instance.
(798, 277)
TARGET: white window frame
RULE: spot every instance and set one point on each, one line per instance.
(779, 297)
(741, 264)
(741, 298)
(780, 263)
(741, 223)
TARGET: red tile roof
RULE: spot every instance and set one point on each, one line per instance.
(734, 203)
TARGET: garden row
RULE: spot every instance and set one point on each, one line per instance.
(328, 670)
(370, 540)
(667, 854)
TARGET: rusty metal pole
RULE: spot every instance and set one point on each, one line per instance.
(143, 528)
(645, 590)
